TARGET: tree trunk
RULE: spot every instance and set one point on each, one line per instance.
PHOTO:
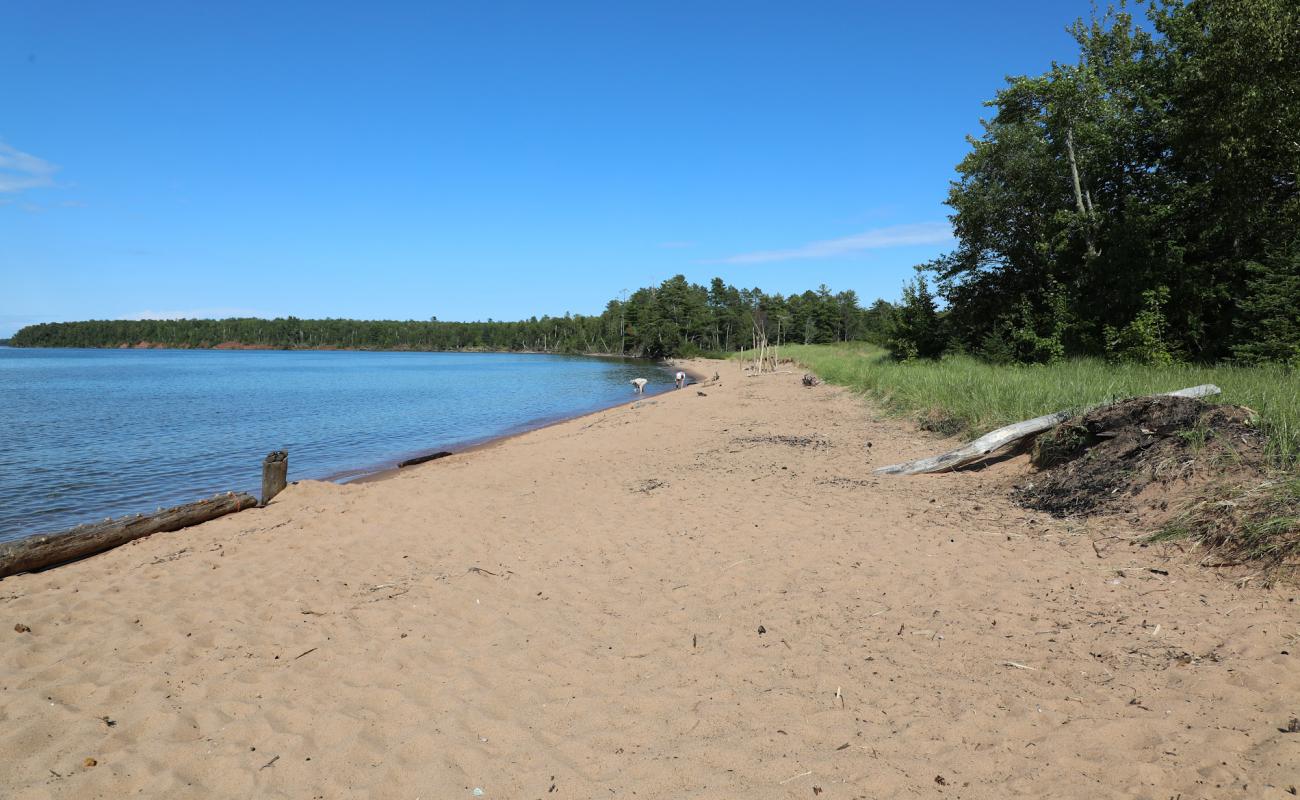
(47, 550)
(1084, 211)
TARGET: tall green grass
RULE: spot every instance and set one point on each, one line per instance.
(960, 394)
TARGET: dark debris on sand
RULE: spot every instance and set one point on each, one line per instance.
(1101, 460)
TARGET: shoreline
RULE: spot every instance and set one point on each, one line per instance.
(700, 594)
(388, 468)
(476, 445)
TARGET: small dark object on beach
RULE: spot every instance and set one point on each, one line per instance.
(695, 640)
(1291, 727)
(817, 790)
(939, 779)
(649, 485)
(701, 394)
(410, 462)
(815, 441)
(810, 379)
(90, 762)
(21, 628)
(109, 722)
(761, 630)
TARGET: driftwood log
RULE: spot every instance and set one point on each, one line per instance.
(410, 462)
(1011, 434)
(48, 550)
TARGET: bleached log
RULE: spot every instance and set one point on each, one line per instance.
(47, 550)
(1011, 434)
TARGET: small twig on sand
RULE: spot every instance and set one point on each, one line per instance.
(793, 777)
(733, 564)
(270, 763)
(1018, 666)
(482, 571)
(300, 655)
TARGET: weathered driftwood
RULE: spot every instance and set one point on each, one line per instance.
(47, 550)
(1011, 434)
(410, 462)
(275, 474)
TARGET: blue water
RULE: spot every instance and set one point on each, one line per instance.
(87, 434)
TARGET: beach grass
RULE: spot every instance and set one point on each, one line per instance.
(961, 395)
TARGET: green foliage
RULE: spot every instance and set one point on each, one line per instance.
(1271, 311)
(1030, 335)
(675, 318)
(1259, 523)
(1163, 161)
(983, 396)
(918, 329)
(1143, 341)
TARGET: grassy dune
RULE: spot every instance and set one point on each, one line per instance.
(962, 395)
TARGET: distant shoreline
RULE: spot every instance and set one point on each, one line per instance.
(318, 348)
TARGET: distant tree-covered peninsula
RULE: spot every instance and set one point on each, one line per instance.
(675, 318)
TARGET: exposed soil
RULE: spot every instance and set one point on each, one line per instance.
(1142, 455)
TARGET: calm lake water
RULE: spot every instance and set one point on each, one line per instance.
(86, 434)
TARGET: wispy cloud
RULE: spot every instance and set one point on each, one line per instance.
(20, 171)
(200, 313)
(875, 239)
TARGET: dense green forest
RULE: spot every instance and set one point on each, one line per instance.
(671, 319)
(1141, 203)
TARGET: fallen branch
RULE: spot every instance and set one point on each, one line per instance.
(48, 550)
(411, 462)
(1008, 435)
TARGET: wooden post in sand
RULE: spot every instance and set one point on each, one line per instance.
(275, 474)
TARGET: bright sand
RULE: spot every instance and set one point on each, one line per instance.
(580, 607)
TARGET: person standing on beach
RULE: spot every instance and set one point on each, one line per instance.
(681, 379)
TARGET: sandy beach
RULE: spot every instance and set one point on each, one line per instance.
(695, 595)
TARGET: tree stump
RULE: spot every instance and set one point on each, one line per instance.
(275, 474)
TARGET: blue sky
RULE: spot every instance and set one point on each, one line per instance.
(470, 160)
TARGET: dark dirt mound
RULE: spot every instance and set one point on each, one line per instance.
(1150, 449)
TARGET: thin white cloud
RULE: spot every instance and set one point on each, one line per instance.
(20, 171)
(199, 313)
(875, 239)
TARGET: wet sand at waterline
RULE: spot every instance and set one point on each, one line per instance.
(684, 597)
